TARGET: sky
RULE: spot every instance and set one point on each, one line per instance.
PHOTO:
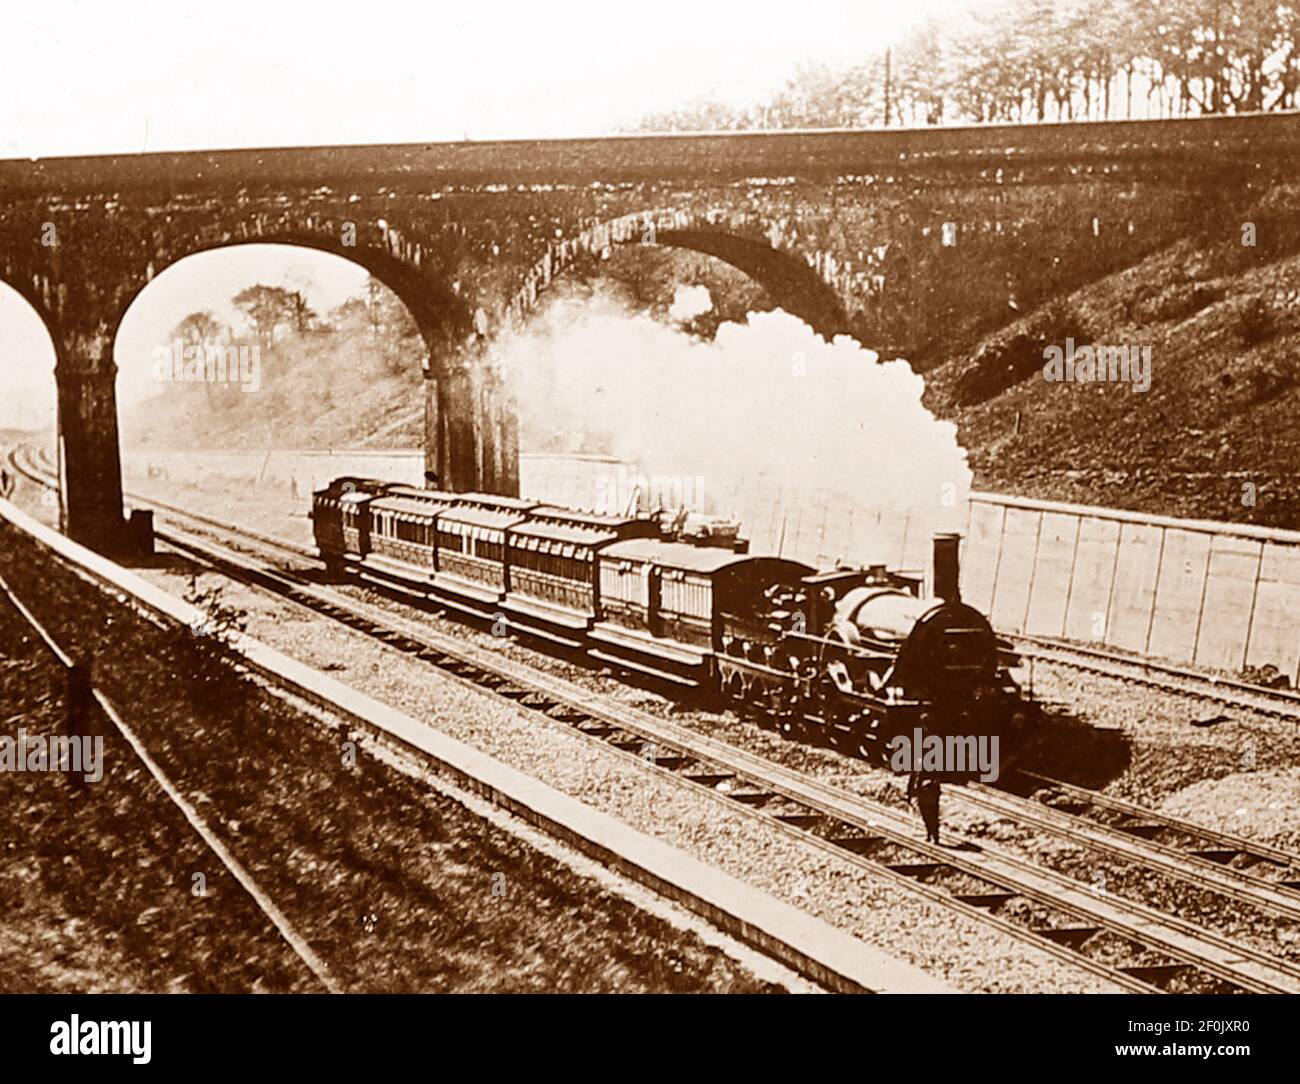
(94, 78)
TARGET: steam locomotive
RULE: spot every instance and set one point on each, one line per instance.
(859, 654)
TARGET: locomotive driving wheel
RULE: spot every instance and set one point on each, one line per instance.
(866, 740)
(841, 737)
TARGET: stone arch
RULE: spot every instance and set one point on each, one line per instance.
(34, 300)
(41, 320)
(439, 312)
(463, 450)
(73, 401)
(756, 247)
(83, 286)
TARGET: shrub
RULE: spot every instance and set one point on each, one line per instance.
(206, 655)
(1256, 322)
(1015, 355)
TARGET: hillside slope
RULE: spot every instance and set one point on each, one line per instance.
(1216, 434)
(330, 389)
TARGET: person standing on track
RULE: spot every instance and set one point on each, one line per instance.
(6, 483)
(924, 789)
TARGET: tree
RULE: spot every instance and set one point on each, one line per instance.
(386, 312)
(201, 329)
(266, 308)
(304, 316)
(351, 314)
(1045, 60)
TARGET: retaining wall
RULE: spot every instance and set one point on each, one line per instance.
(1209, 594)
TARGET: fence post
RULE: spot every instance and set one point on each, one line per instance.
(78, 703)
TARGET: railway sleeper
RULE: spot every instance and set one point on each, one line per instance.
(1218, 855)
(754, 798)
(988, 901)
(863, 845)
(1072, 937)
(806, 821)
(921, 871)
(1157, 974)
(1142, 831)
(710, 779)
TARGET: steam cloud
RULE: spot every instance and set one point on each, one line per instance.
(689, 302)
(768, 410)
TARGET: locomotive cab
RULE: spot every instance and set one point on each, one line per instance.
(825, 591)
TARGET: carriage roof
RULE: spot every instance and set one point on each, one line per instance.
(707, 560)
(422, 511)
(578, 534)
(353, 484)
(496, 519)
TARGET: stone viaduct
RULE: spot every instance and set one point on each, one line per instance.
(901, 238)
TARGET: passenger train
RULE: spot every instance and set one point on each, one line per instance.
(861, 654)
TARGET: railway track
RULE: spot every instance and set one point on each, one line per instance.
(1130, 944)
(197, 823)
(1166, 845)
(1281, 703)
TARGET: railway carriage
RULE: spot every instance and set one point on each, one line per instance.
(471, 542)
(552, 587)
(403, 531)
(663, 605)
(341, 519)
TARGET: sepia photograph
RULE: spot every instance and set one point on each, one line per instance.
(710, 501)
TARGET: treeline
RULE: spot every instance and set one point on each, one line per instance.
(1023, 61)
(291, 377)
(272, 311)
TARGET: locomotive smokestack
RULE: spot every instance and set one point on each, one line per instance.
(947, 567)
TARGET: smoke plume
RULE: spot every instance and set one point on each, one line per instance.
(766, 412)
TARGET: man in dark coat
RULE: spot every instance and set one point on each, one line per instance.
(924, 789)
